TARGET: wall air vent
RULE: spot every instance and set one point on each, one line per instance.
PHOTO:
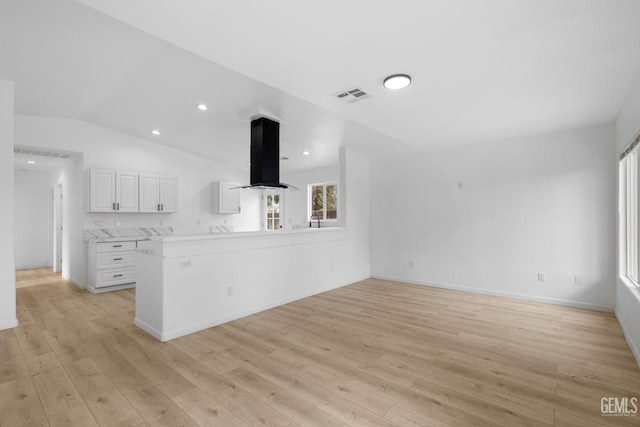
(353, 95)
(38, 152)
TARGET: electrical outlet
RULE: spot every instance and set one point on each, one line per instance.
(97, 224)
(411, 263)
(197, 222)
(577, 280)
(540, 277)
(229, 291)
(185, 264)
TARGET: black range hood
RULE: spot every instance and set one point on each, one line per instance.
(265, 156)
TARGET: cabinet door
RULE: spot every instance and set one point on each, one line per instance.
(229, 199)
(168, 194)
(102, 190)
(126, 191)
(149, 193)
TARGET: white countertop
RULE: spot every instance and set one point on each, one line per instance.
(244, 234)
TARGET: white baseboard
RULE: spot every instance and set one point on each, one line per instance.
(9, 324)
(110, 288)
(148, 329)
(632, 345)
(525, 297)
(75, 282)
(209, 323)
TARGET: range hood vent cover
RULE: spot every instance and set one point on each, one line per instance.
(265, 156)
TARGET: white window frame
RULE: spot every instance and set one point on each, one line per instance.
(266, 211)
(324, 201)
(628, 214)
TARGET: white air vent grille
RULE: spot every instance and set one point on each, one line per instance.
(353, 95)
(39, 152)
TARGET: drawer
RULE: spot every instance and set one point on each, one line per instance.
(116, 276)
(115, 246)
(114, 259)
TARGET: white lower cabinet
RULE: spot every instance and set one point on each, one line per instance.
(111, 266)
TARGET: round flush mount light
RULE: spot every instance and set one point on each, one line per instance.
(397, 81)
(202, 107)
(305, 153)
(155, 132)
(31, 162)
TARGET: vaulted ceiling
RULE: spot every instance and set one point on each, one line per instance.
(482, 70)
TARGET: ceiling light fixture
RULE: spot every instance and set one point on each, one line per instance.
(31, 162)
(397, 81)
(155, 132)
(202, 107)
(306, 153)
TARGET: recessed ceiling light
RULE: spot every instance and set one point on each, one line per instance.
(155, 132)
(306, 153)
(397, 81)
(31, 162)
(202, 107)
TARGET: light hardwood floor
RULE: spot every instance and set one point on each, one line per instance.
(374, 353)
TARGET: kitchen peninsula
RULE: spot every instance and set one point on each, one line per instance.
(189, 283)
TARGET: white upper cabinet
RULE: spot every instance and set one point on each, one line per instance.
(113, 191)
(158, 193)
(149, 193)
(126, 191)
(119, 191)
(226, 198)
(102, 191)
(168, 194)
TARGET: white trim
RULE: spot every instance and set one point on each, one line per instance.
(111, 288)
(224, 319)
(9, 324)
(525, 297)
(632, 345)
(148, 329)
(75, 282)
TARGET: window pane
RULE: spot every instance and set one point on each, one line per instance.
(332, 202)
(632, 215)
(317, 202)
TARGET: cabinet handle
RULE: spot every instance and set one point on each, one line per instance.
(117, 275)
(158, 207)
(114, 206)
(117, 259)
(162, 207)
(116, 246)
(117, 206)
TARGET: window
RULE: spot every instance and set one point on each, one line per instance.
(323, 201)
(273, 212)
(629, 214)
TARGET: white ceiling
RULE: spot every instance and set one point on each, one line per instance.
(483, 70)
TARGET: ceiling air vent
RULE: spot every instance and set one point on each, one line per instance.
(37, 152)
(353, 95)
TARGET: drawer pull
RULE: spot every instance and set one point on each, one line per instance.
(117, 275)
(117, 259)
(116, 246)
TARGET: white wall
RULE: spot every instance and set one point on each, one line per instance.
(7, 266)
(354, 211)
(296, 202)
(33, 216)
(107, 149)
(627, 296)
(539, 204)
